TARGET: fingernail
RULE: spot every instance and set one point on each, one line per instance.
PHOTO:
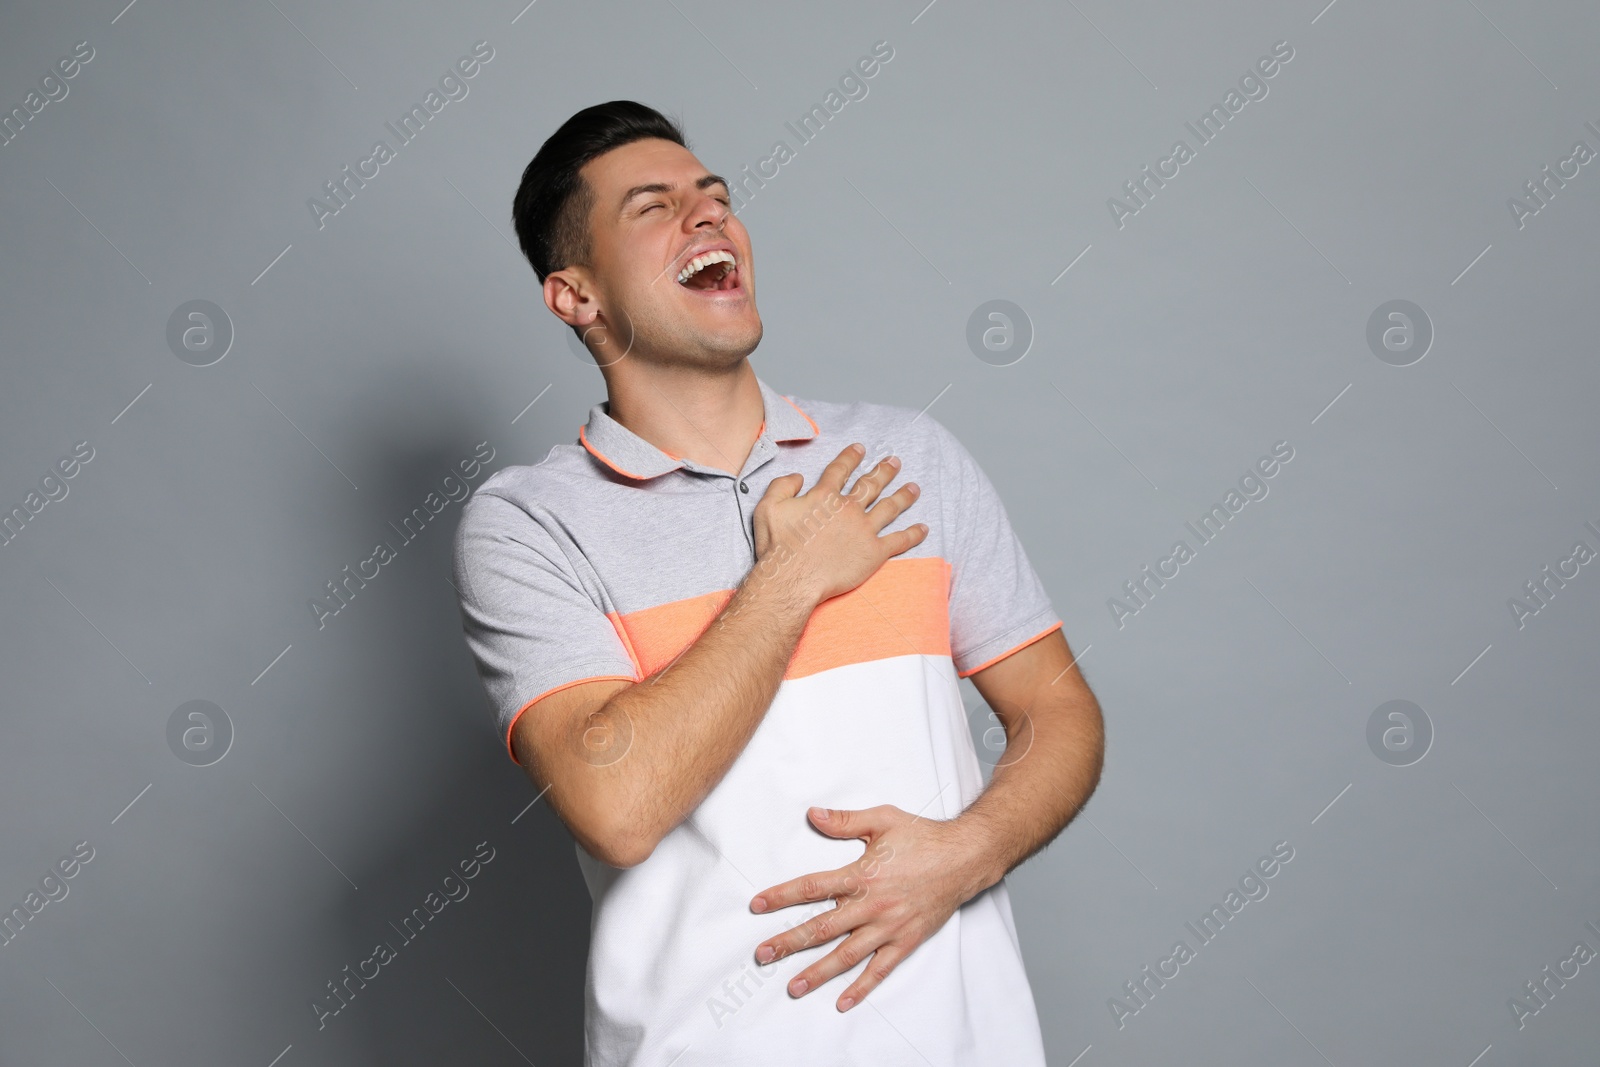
(758, 904)
(765, 953)
(797, 987)
(844, 1005)
(893, 461)
(821, 814)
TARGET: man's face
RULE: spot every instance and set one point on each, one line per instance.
(656, 211)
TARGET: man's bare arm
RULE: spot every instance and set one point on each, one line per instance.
(626, 762)
(1055, 747)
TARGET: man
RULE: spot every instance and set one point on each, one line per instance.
(729, 671)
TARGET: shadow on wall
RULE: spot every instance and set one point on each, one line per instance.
(484, 923)
(489, 934)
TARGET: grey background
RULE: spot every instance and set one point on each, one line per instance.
(1227, 315)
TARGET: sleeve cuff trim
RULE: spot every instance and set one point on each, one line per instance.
(555, 689)
(1014, 648)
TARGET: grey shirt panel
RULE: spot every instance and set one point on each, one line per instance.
(996, 598)
(551, 557)
(532, 613)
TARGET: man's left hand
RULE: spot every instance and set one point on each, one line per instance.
(913, 876)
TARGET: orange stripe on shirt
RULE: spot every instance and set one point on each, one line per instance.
(903, 609)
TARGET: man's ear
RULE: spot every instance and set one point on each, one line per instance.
(567, 295)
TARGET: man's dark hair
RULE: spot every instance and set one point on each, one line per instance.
(552, 205)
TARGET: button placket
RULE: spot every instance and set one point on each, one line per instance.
(759, 456)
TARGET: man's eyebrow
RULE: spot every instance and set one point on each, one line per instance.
(662, 187)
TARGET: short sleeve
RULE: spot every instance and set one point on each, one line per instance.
(531, 625)
(997, 603)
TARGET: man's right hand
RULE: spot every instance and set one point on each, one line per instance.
(625, 762)
(826, 541)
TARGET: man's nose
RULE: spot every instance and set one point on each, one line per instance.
(710, 212)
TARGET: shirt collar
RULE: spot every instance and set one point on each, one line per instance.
(633, 457)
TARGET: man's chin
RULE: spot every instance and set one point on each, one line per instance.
(730, 346)
(731, 341)
(695, 341)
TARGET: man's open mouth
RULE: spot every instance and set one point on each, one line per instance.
(716, 271)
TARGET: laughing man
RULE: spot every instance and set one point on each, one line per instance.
(738, 678)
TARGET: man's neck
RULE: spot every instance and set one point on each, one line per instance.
(711, 417)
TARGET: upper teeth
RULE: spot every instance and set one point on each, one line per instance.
(698, 263)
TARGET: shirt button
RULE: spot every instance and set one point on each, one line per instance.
(743, 488)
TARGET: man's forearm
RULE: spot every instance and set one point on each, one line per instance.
(690, 720)
(1032, 797)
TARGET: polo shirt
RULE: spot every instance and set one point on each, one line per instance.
(606, 560)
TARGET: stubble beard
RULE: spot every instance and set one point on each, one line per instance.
(676, 343)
